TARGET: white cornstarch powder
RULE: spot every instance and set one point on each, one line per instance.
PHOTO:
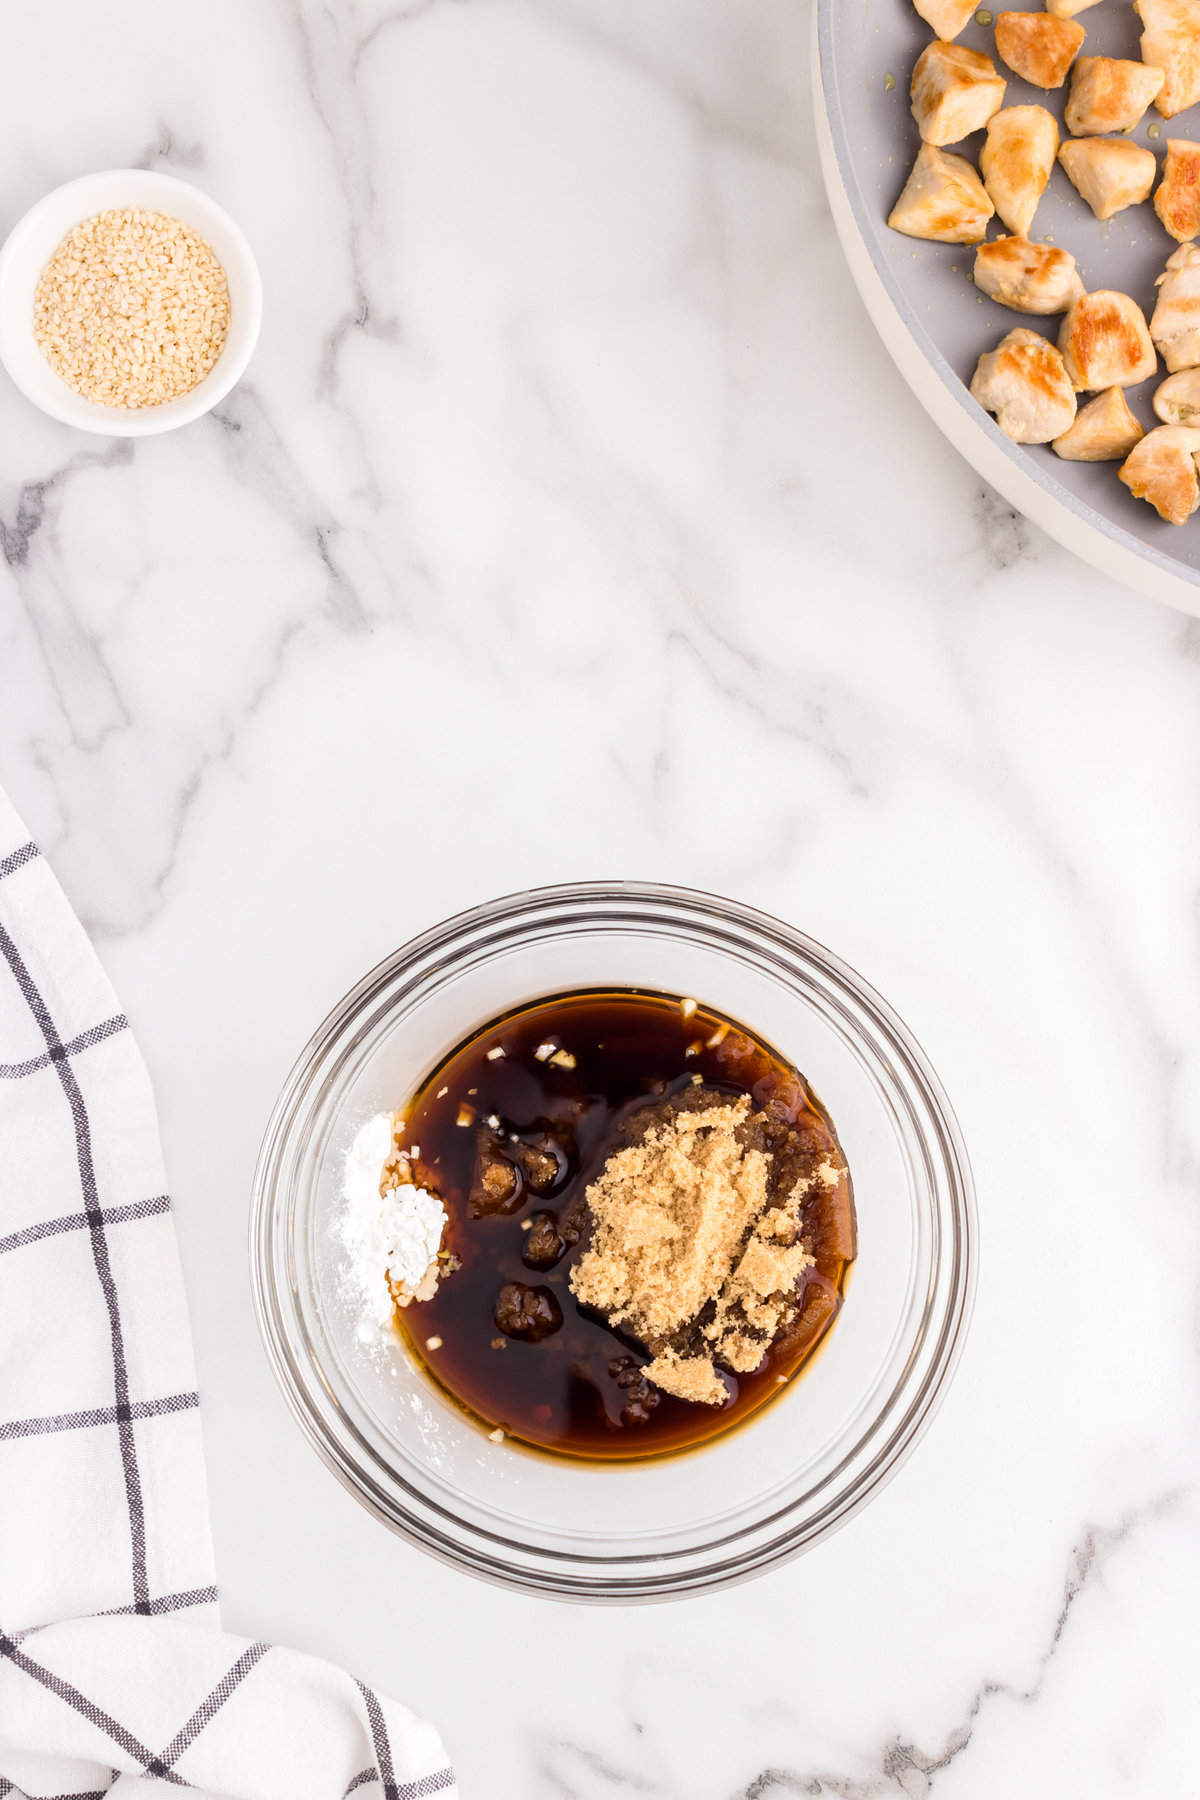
(390, 1236)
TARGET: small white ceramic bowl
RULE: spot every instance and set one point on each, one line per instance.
(33, 241)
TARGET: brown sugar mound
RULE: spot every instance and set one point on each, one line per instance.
(669, 1215)
(693, 1248)
(687, 1377)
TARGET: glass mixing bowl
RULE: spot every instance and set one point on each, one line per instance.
(798, 1468)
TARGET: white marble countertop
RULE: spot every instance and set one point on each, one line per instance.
(571, 522)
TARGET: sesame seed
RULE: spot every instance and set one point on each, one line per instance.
(496, 1437)
(466, 1115)
(687, 1008)
(132, 309)
(495, 1053)
(433, 1343)
(545, 1051)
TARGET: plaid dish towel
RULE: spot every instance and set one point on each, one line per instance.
(113, 1668)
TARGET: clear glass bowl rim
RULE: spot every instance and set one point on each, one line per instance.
(621, 905)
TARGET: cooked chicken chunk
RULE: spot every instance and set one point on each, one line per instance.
(1024, 382)
(1171, 42)
(1177, 399)
(1177, 200)
(1175, 321)
(943, 199)
(1108, 94)
(1110, 173)
(954, 91)
(1016, 160)
(1105, 343)
(1066, 9)
(1031, 278)
(946, 17)
(1162, 469)
(1037, 46)
(1104, 430)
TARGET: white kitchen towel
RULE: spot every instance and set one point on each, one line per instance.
(113, 1666)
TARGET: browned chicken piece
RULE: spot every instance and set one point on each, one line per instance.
(1016, 160)
(1110, 173)
(1066, 9)
(1105, 342)
(1031, 278)
(1177, 399)
(946, 17)
(1024, 382)
(954, 91)
(943, 199)
(1161, 468)
(1177, 199)
(1038, 47)
(1175, 321)
(1109, 94)
(1171, 42)
(1104, 430)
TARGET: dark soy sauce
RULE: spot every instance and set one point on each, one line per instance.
(511, 1144)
